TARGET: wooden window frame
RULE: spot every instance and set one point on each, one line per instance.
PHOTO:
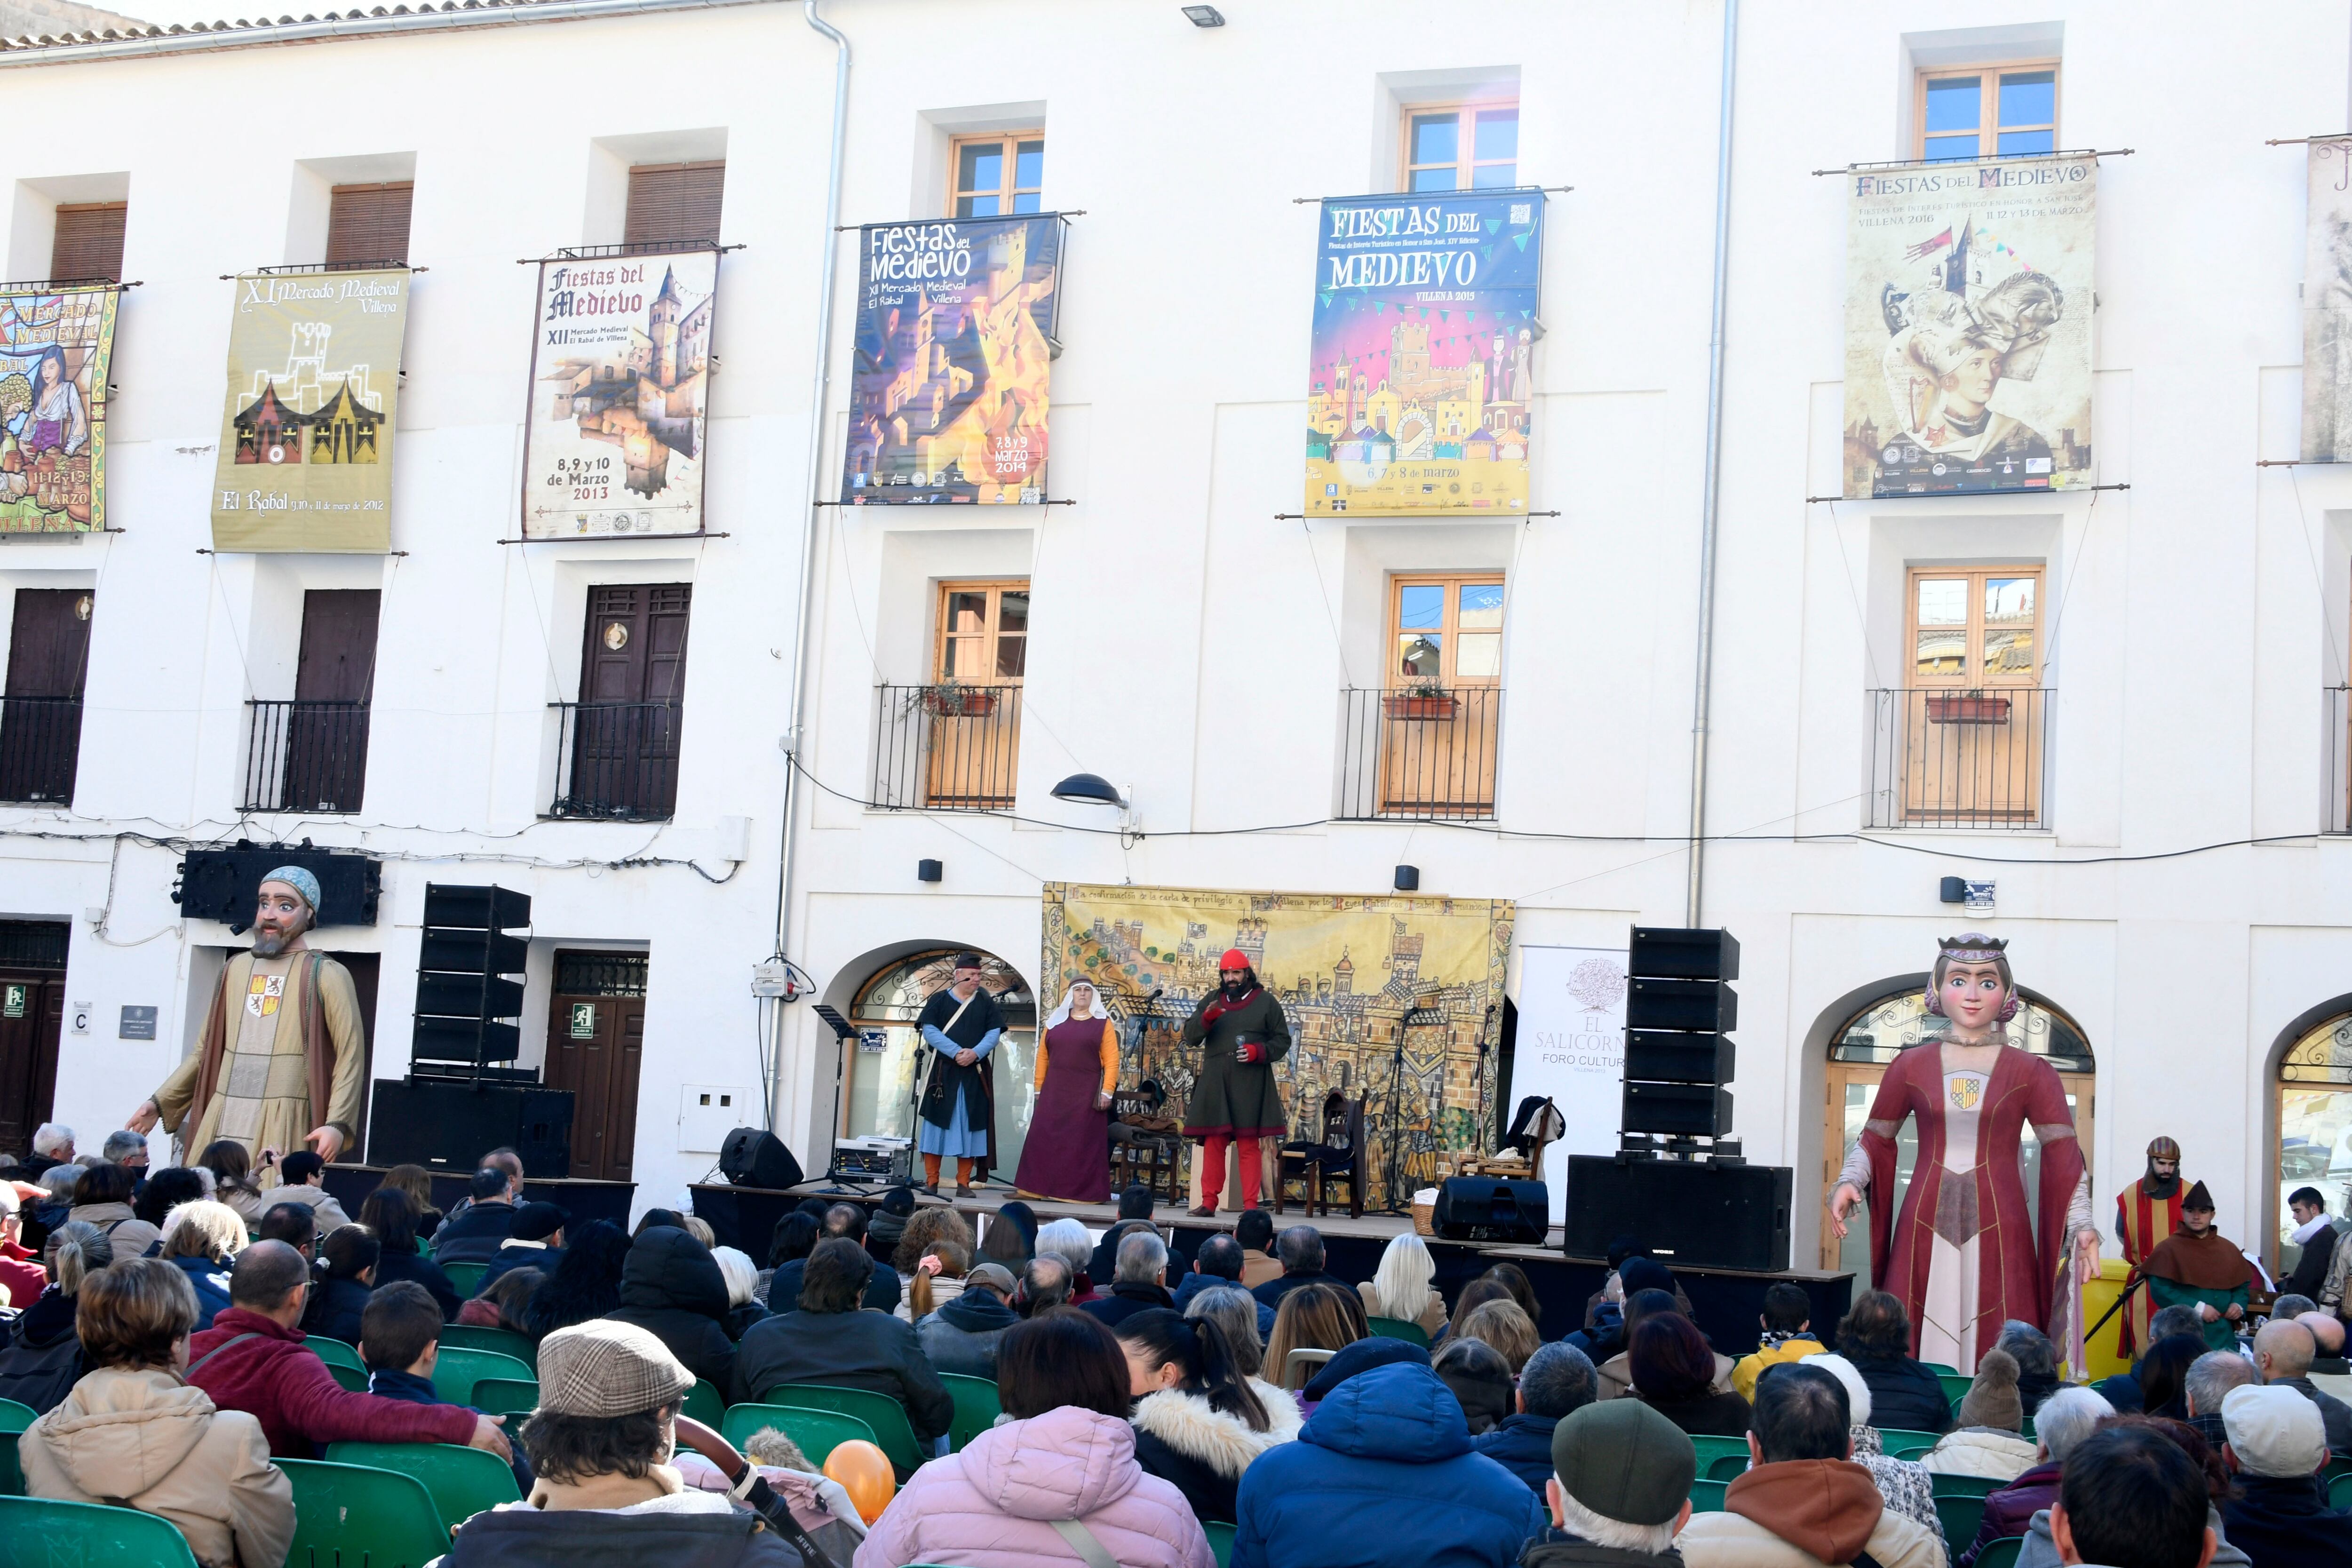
(1452, 583)
(1989, 126)
(995, 588)
(1974, 674)
(1008, 144)
(628, 201)
(1465, 114)
(365, 254)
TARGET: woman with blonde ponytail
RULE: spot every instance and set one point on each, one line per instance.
(1199, 1423)
(46, 1360)
(937, 1280)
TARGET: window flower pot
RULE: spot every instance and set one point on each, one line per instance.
(959, 702)
(1416, 705)
(1967, 707)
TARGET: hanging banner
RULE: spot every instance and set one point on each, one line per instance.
(1570, 1048)
(306, 428)
(954, 353)
(620, 366)
(1430, 981)
(1968, 327)
(1426, 324)
(54, 348)
(2327, 304)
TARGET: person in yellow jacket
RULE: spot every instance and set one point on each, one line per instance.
(1788, 1336)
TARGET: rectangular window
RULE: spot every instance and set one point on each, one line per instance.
(675, 202)
(1422, 743)
(960, 735)
(368, 223)
(1461, 147)
(996, 175)
(1446, 631)
(1964, 743)
(1990, 111)
(89, 241)
(1976, 627)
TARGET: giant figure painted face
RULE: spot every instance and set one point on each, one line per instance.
(1972, 984)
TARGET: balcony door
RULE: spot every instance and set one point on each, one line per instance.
(1972, 717)
(40, 716)
(625, 742)
(972, 710)
(334, 679)
(1442, 700)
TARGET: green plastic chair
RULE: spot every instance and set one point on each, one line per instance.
(506, 1397)
(1913, 1452)
(15, 1416)
(1893, 1437)
(1941, 1369)
(1706, 1497)
(1941, 1485)
(506, 1341)
(2001, 1553)
(457, 1371)
(463, 1481)
(818, 1432)
(704, 1402)
(1727, 1467)
(352, 1516)
(465, 1277)
(976, 1406)
(1397, 1329)
(1955, 1387)
(1220, 1536)
(2339, 1493)
(14, 1419)
(884, 1414)
(1710, 1449)
(41, 1533)
(334, 1352)
(1960, 1516)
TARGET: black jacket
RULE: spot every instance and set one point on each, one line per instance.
(1521, 1444)
(513, 1255)
(671, 1287)
(46, 1360)
(961, 1336)
(393, 1266)
(1281, 1285)
(1557, 1549)
(334, 1309)
(1709, 1416)
(1903, 1395)
(1104, 1264)
(844, 1350)
(596, 1538)
(1125, 1300)
(474, 1235)
(2283, 1522)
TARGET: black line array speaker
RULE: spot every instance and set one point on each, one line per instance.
(1685, 1212)
(448, 1125)
(226, 884)
(469, 975)
(750, 1158)
(1679, 1007)
(1480, 1208)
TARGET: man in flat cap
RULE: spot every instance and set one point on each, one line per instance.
(282, 1059)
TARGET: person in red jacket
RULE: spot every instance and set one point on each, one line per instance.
(253, 1359)
(22, 1277)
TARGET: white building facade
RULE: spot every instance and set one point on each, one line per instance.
(2167, 850)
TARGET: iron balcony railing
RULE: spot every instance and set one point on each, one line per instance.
(1420, 751)
(948, 746)
(616, 761)
(40, 737)
(2339, 758)
(1958, 757)
(306, 756)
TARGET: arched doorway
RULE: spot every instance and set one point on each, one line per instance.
(1862, 1047)
(877, 1093)
(2315, 1128)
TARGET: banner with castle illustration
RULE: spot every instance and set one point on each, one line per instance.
(306, 422)
(953, 361)
(620, 364)
(54, 348)
(2327, 302)
(1968, 326)
(1422, 366)
(1354, 975)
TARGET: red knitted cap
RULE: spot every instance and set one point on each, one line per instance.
(1234, 959)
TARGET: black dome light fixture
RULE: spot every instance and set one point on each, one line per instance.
(1093, 789)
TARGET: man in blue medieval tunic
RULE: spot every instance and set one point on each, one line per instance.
(955, 1086)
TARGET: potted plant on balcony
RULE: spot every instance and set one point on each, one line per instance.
(1966, 708)
(1422, 699)
(954, 700)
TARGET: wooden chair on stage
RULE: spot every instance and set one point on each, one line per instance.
(1338, 1155)
(1145, 1144)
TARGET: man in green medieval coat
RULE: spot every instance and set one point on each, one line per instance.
(2194, 1267)
(1242, 1033)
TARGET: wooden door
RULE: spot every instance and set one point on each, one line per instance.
(973, 745)
(595, 1048)
(1443, 701)
(632, 676)
(1973, 718)
(40, 717)
(32, 1019)
(334, 679)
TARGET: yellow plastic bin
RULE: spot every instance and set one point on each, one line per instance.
(2102, 1349)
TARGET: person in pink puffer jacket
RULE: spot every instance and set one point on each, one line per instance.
(1067, 1454)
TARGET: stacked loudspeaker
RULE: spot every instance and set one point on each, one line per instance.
(456, 1103)
(1678, 1182)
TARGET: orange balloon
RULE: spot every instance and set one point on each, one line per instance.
(864, 1473)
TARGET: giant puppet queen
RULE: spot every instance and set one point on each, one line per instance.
(1966, 1253)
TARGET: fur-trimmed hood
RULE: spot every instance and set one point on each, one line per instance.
(1190, 1424)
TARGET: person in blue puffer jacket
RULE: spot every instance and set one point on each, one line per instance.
(202, 1240)
(1383, 1472)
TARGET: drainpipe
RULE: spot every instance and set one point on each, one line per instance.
(805, 591)
(1713, 481)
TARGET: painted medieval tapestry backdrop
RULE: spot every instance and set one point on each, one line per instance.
(1422, 386)
(306, 426)
(2327, 304)
(613, 443)
(1354, 975)
(54, 348)
(954, 362)
(1968, 326)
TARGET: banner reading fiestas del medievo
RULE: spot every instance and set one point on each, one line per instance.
(305, 459)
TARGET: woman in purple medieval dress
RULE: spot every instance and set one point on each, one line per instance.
(1068, 1153)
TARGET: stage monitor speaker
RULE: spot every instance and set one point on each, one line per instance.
(1688, 1110)
(1664, 1057)
(1707, 1005)
(1676, 953)
(1481, 1208)
(226, 884)
(448, 1125)
(1715, 1216)
(750, 1158)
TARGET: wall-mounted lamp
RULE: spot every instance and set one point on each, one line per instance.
(1093, 789)
(1204, 15)
(929, 870)
(1408, 879)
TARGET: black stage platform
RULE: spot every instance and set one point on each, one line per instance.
(583, 1200)
(1726, 1302)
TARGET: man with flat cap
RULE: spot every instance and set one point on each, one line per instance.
(1619, 1491)
(283, 1057)
(955, 1082)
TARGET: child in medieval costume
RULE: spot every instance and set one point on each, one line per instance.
(2194, 1267)
(1965, 1254)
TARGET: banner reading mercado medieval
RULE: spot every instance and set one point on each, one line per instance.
(620, 365)
(1968, 327)
(1346, 968)
(54, 348)
(1426, 323)
(954, 353)
(2327, 304)
(306, 426)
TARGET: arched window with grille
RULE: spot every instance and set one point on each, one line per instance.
(2315, 1129)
